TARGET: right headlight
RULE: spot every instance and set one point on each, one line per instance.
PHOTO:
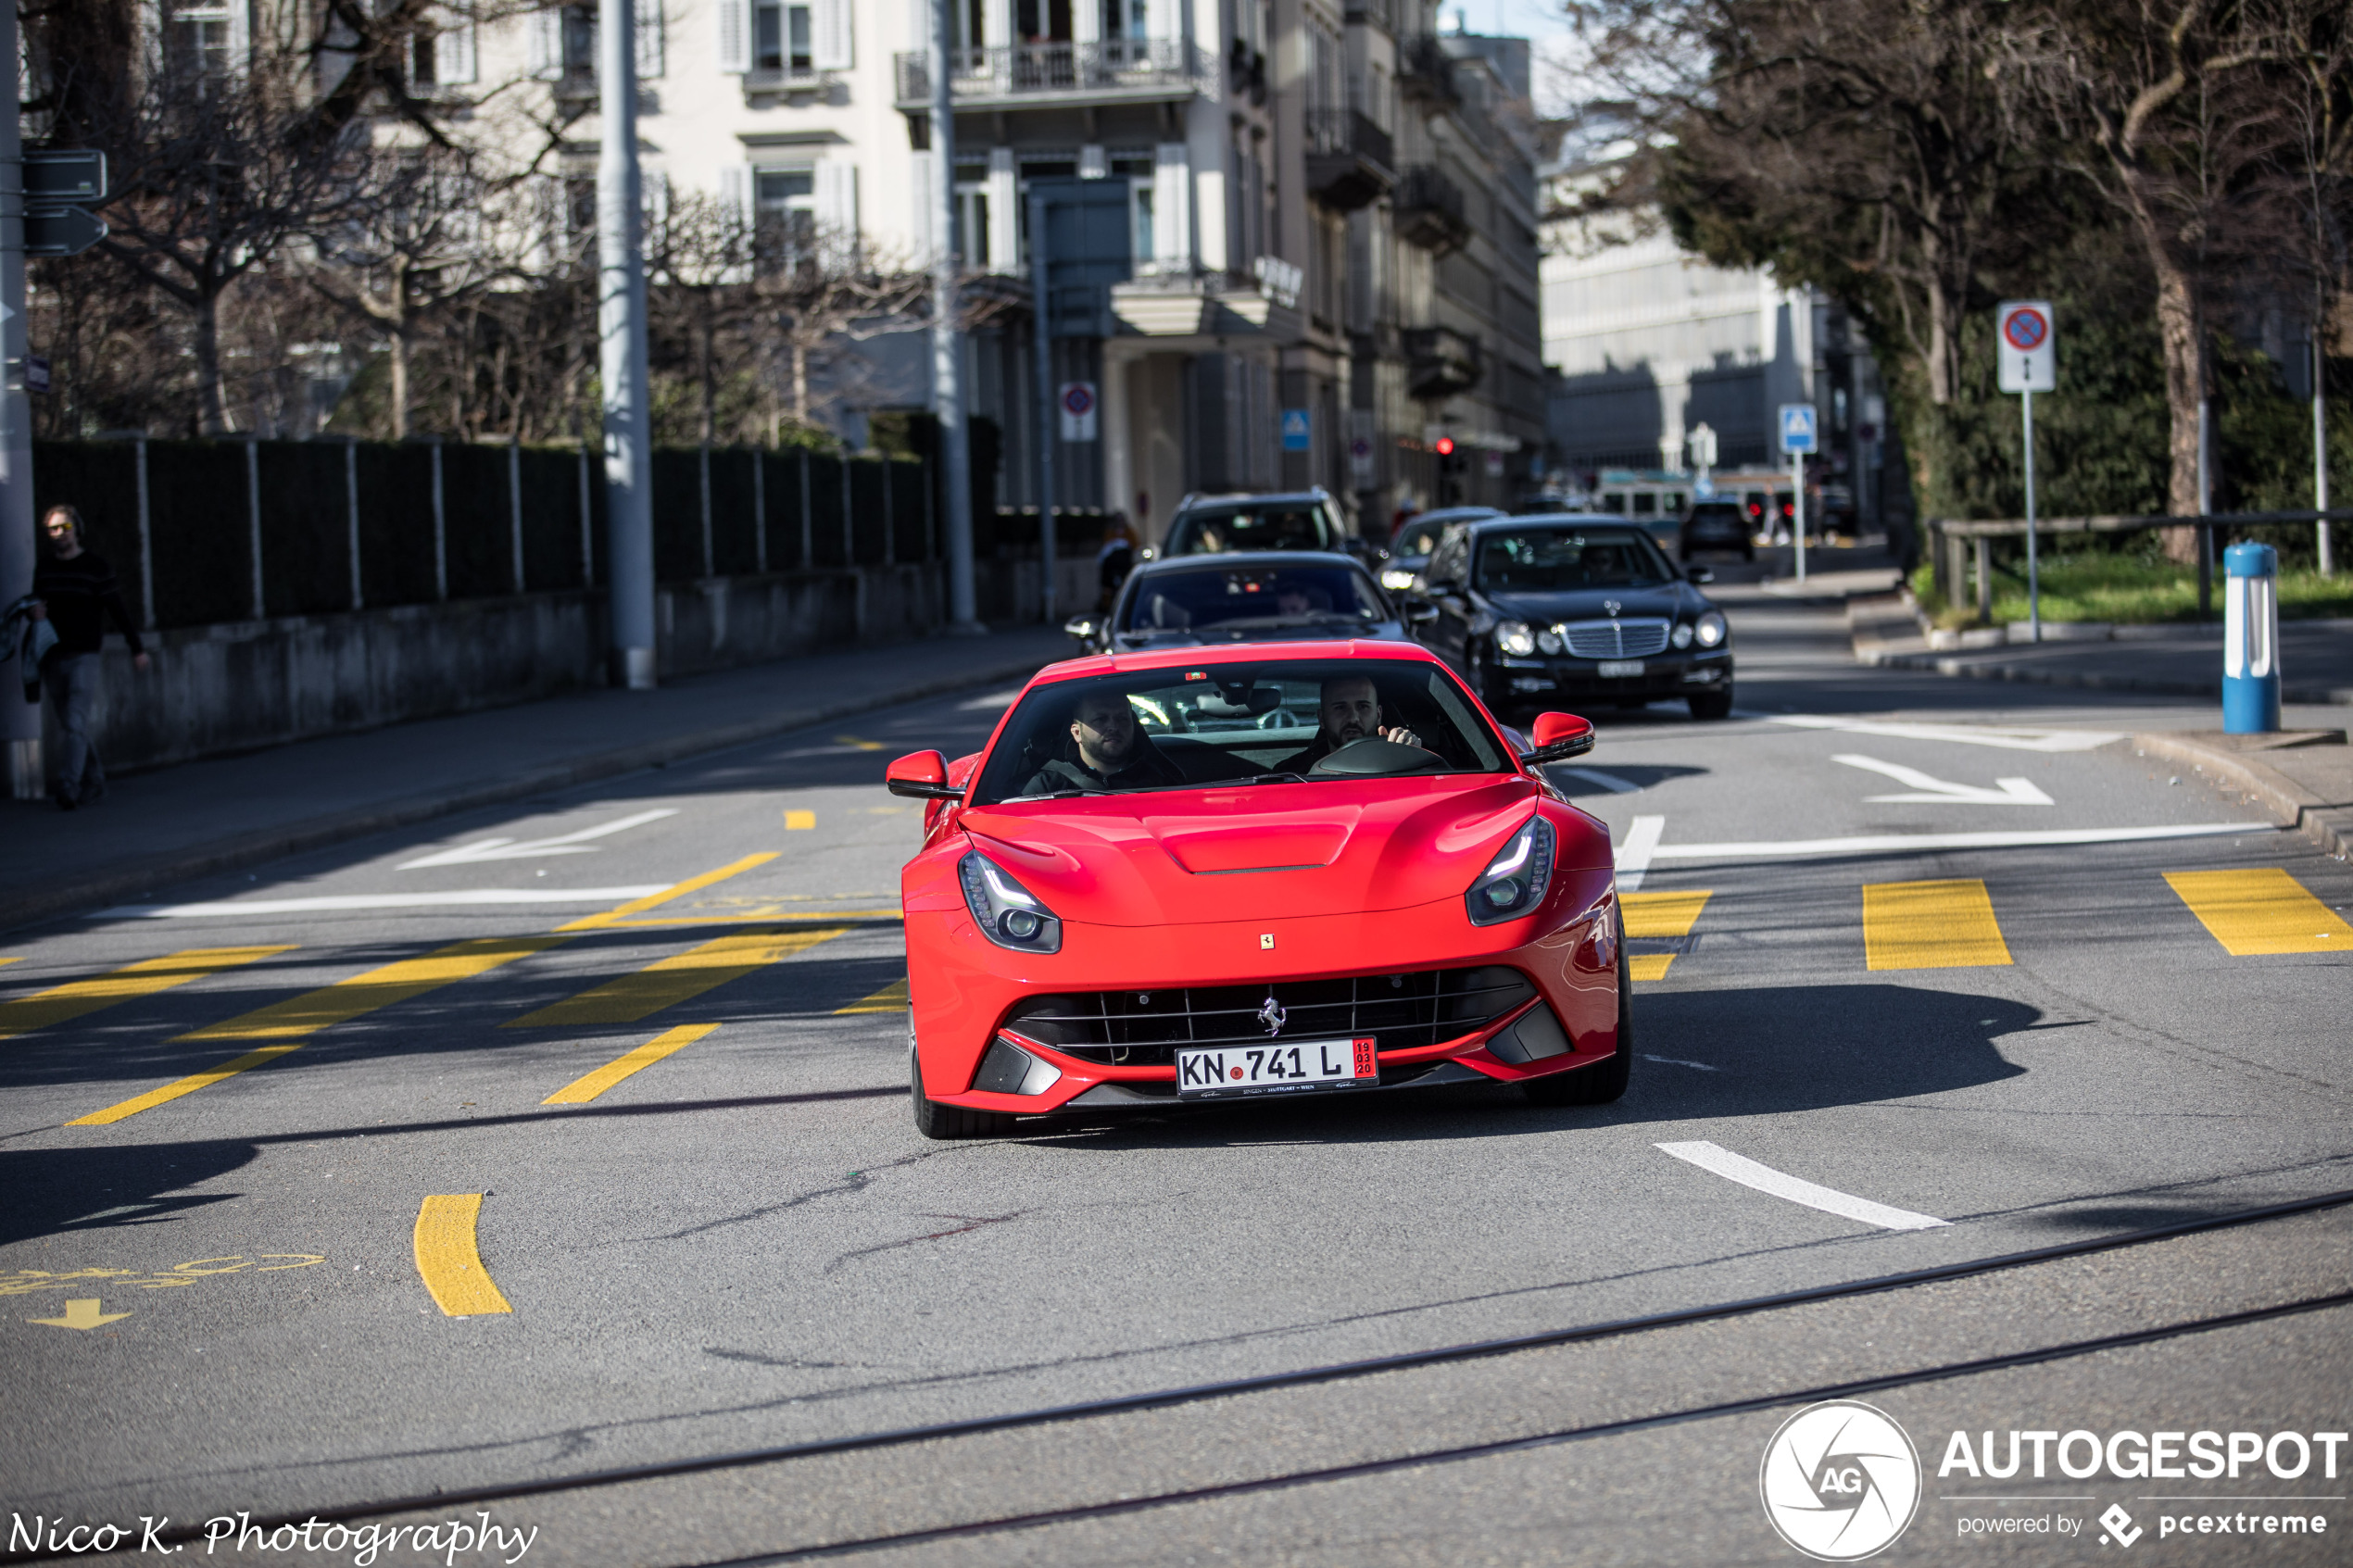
(1514, 882)
(1711, 630)
(1007, 913)
(1397, 578)
(1515, 638)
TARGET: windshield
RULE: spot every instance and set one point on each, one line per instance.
(1417, 539)
(1291, 526)
(1202, 598)
(1557, 560)
(1274, 721)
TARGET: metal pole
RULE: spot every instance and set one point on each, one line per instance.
(709, 565)
(514, 502)
(252, 518)
(19, 722)
(2204, 505)
(2033, 577)
(351, 517)
(2320, 451)
(440, 535)
(808, 532)
(1797, 502)
(588, 525)
(621, 319)
(947, 362)
(147, 540)
(1041, 330)
(760, 509)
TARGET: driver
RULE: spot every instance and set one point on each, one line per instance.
(1113, 751)
(1350, 711)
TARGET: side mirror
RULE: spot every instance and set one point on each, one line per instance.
(1699, 574)
(924, 776)
(1559, 737)
(1081, 627)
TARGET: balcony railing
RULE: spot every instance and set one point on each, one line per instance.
(1351, 160)
(1430, 212)
(1111, 66)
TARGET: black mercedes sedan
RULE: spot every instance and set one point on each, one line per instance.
(1546, 611)
(1268, 596)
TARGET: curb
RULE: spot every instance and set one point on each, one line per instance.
(2326, 824)
(319, 832)
(1946, 664)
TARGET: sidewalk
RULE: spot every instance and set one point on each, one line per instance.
(197, 818)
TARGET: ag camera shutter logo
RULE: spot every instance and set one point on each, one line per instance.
(1840, 1481)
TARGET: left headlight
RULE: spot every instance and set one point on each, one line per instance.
(1008, 914)
(1397, 578)
(1514, 882)
(1515, 638)
(1711, 630)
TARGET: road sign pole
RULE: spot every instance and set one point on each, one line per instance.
(623, 359)
(19, 722)
(1049, 400)
(1797, 498)
(2033, 573)
(947, 346)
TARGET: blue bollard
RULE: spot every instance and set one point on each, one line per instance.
(2250, 640)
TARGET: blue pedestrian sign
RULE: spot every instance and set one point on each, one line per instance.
(1295, 430)
(1797, 428)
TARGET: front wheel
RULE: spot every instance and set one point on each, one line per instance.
(1712, 704)
(936, 1121)
(1604, 1081)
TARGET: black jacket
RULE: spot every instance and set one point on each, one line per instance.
(1148, 768)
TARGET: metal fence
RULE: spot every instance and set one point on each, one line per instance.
(205, 532)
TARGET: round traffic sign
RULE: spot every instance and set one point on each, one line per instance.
(2025, 330)
(1078, 400)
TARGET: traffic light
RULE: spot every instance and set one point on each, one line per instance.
(1445, 446)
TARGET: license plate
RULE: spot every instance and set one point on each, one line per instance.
(1275, 1068)
(1610, 669)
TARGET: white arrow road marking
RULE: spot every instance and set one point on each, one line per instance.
(2007, 792)
(1634, 854)
(1609, 781)
(508, 849)
(1917, 843)
(456, 900)
(2008, 737)
(1764, 1178)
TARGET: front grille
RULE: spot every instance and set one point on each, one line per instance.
(1143, 1028)
(1615, 639)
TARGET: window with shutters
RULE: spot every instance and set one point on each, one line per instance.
(784, 39)
(971, 239)
(785, 217)
(204, 42)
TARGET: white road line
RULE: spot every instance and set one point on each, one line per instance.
(562, 844)
(1916, 842)
(2007, 736)
(380, 902)
(1677, 1061)
(1634, 854)
(1934, 791)
(1764, 1178)
(1609, 781)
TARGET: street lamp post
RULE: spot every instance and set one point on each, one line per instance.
(621, 320)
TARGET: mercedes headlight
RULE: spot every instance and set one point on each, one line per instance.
(1008, 914)
(1515, 638)
(1548, 642)
(1711, 630)
(1514, 882)
(1396, 580)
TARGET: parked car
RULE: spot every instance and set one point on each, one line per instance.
(1569, 609)
(1410, 545)
(1715, 525)
(1155, 889)
(1209, 525)
(1286, 595)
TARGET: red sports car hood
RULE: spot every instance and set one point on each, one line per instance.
(1278, 851)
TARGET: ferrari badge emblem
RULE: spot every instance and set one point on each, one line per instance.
(1265, 941)
(1273, 1014)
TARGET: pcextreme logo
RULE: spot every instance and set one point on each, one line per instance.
(1840, 1481)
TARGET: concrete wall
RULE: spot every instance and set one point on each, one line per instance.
(241, 685)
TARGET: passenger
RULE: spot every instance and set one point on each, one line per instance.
(1113, 752)
(1350, 711)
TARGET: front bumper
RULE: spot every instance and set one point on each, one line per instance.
(1675, 672)
(965, 991)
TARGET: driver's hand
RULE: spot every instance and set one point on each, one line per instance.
(1402, 736)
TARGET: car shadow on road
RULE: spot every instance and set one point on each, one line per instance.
(1698, 1054)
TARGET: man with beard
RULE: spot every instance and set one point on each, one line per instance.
(1113, 752)
(1349, 710)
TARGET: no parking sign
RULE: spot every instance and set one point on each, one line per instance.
(1077, 405)
(2028, 344)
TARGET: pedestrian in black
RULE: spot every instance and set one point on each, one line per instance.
(78, 590)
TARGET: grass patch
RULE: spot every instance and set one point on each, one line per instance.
(2127, 590)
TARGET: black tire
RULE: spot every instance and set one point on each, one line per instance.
(936, 1121)
(1712, 704)
(1604, 1081)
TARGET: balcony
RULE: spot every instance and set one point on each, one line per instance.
(1441, 362)
(1426, 72)
(1430, 212)
(1351, 161)
(1041, 75)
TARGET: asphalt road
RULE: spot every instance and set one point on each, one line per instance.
(1881, 1034)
